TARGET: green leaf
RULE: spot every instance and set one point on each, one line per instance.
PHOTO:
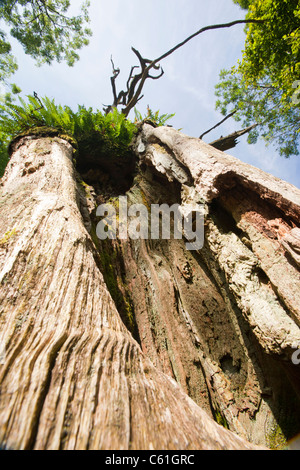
(112, 133)
(44, 30)
(261, 86)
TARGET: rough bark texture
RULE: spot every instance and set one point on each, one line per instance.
(141, 344)
(238, 297)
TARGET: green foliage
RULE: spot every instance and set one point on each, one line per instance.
(5, 100)
(4, 158)
(243, 3)
(112, 132)
(8, 64)
(278, 122)
(155, 117)
(262, 86)
(273, 46)
(44, 31)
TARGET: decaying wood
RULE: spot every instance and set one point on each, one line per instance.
(73, 376)
(238, 296)
(265, 210)
(230, 141)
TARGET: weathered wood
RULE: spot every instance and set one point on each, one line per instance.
(266, 210)
(73, 377)
(215, 329)
(235, 304)
(230, 141)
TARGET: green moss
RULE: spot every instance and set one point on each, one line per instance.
(220, 418)
(69, 139)
(4, 159)
(84, 185)
(160, 148)
(7, 237)
(276, 439)
(145, 201)
(44, 131)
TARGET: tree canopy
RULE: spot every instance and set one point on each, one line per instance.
(46, 33)
(260, 90)
(243, 3)
(261, 87)
(44, 30)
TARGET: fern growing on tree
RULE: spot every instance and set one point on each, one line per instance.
(112, 132)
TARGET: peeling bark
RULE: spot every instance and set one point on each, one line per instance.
(141, 344)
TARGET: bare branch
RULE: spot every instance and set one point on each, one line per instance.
(143, 61)
(219, 124)
(118, 99)
(230, 141)
(158, 76)
(131, 76)
(139, 99)
(135, 83)
(115, 71)
(202, 30)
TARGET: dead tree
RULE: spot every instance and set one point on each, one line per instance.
(131, 97)
(73, 377)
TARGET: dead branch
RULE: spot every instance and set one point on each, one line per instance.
(135, 83)
(230, 141)
(219, 124)
(131, 97)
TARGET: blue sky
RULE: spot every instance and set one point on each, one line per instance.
(187, 87)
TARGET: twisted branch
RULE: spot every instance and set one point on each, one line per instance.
(135, 83)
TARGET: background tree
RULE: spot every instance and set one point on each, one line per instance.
(46, 34)
(8, 64)
(243, 3)
(262, 85)
(44, 30)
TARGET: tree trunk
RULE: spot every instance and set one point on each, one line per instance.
(142, 344)
(238, 297)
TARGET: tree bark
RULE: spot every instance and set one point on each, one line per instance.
(212, 332)
(73, 376)
(238, 296)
